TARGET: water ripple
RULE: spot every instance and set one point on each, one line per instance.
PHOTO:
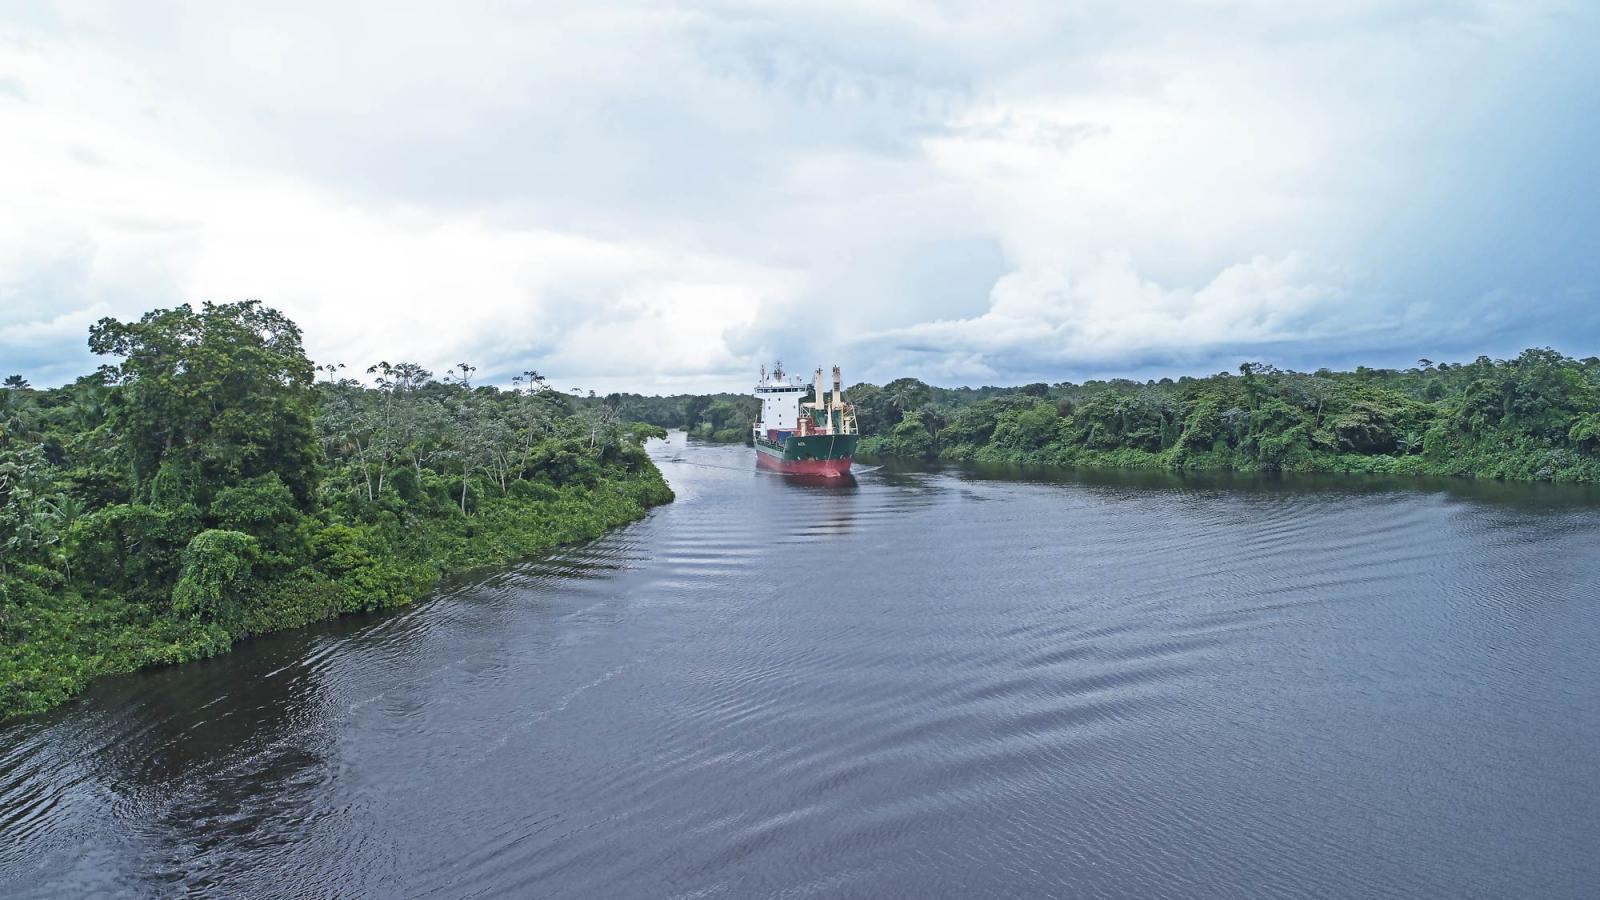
(915, 684)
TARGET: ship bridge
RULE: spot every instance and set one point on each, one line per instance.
(783, 412)
(780, 400)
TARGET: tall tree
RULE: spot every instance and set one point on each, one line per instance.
(223, 394)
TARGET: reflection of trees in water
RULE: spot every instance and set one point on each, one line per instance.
(211, 751)
(189, 717)
(901, 476)
(167, 765)
(1532, 497)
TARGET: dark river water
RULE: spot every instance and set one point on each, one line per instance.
(924, 684)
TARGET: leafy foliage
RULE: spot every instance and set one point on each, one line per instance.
(712, 417)
(1533, 417)
(216, 569)
(226, 391)
(206, 487)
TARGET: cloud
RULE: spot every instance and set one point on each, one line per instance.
(147, 225)
(1226, 189)
(1050, 318)
(659, 197)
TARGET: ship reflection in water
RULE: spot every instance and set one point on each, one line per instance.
(847, 481)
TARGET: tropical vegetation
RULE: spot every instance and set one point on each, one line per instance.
(1533, 417)
(211, 483)
(724, 418)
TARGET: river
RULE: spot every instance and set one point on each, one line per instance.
(927, 683)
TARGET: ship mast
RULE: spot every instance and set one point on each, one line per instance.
(836, 407)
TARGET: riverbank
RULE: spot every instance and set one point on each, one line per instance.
(214, 483)
(720, 435)
(1535, 417)
(59, 639)
(1531, 464)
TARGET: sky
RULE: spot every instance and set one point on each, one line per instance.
(661, 197)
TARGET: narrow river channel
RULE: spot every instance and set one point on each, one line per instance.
(928, 683)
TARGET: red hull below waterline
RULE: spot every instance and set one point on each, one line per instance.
(825, 468)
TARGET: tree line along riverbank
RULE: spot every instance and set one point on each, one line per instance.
(211, 483)
(1533, 417)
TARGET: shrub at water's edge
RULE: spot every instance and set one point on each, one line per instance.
(208, 487)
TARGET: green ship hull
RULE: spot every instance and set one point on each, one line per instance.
(813, 454)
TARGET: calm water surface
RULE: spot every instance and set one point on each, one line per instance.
(926, 684)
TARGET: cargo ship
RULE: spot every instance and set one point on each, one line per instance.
(803, 437)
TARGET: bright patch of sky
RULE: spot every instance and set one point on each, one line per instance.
(659, 197)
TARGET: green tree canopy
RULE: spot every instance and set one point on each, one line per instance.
(225, 393)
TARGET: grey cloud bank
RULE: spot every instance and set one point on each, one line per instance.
(659, 197)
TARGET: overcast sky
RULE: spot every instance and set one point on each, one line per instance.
(659, 197)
